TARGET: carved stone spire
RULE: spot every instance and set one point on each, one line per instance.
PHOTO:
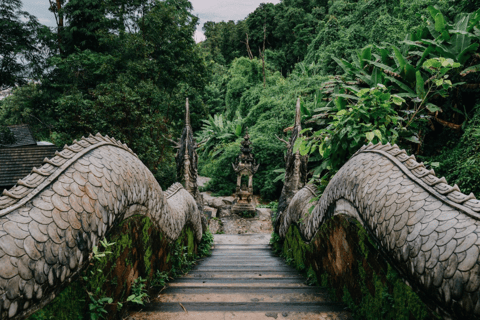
(187, 114)
(296, 167)
(187, 159)
(298, 115)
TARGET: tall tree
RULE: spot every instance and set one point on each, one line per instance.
(22, 51)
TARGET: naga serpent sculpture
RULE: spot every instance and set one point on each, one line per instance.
(429, 231)
(52, 218)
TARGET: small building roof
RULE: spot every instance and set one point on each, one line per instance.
(18, 159)
(23, 137)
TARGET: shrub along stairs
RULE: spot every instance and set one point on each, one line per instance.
(242, 279)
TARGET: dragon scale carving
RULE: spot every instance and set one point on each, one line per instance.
(428, 230)
(51, 219)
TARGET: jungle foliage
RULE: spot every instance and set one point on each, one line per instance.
(119, 68)
(404, 72)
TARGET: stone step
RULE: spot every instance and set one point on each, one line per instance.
(279, 307)
(243, 289)
(244, 267)
(220, 315)
(272, 296)
(245, 254)
(242, 280)
(216, 265)
(257, 282)
(242, 275)
(236, 261)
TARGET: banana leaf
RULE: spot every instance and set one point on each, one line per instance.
(420, 85)
(441, 26)
(425, 55)
(400, 59)
(467, 52)
(400, 84)
(472, 69)
(413, 43)
(381, 66)
(377, 76)
(346, 96)
(475, 18)
(366, 55)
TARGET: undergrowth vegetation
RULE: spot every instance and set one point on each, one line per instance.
(403, 72)
(103, 288)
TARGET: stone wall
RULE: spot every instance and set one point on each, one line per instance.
(428, 230)
(343, 258)
(139, 250)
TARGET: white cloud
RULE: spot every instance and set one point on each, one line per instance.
(45, 21)
(199, 36)
(223, 10)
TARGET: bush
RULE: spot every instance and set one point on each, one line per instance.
(459, 158)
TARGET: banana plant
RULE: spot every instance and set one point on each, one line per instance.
(453, 40)
(217, 130)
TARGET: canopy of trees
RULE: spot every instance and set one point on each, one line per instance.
(124, 68)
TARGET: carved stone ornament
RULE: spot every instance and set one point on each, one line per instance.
(245, 165)
(296, 169)
(52, 218)
(187, 159)
(428, 230)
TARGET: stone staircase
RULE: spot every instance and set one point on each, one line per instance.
(242, 279)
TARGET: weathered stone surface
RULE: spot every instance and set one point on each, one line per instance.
(46, 235)
(296, 169)
(417, 207)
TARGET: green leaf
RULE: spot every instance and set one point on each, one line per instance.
(378, 134)
(238, 130)
(433, 11)
(377, 76)
(363, 92)
(370, 136)
(413, 139)
(322, 149)
(472, 69)
(420, 85)
(366, 55)
(433, 108)
(346, 96)
(399, 58)
(440, 26)
(409, 73)
(381, 66)
(305, 111)
(412, 43)
(467, 52)
(347, 67)
(400, 84)
(398, 100)
(384, 96)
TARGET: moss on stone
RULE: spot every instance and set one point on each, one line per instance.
(294, 248)
(132, 253)
(382, 293)
(68, 305)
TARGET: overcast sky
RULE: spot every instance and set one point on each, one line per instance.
(206, 10)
